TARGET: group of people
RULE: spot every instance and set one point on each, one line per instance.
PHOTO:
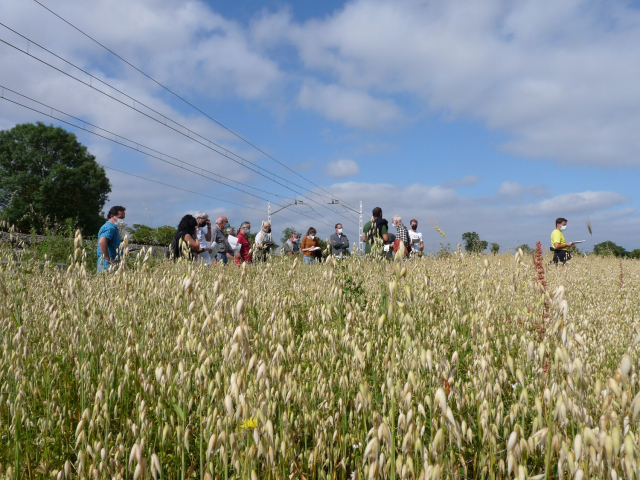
(200, 240)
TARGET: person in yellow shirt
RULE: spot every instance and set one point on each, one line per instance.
(559, 244)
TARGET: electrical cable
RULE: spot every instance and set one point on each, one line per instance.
(183, 99)
(137, 144)
(151, 117)
(128, 146)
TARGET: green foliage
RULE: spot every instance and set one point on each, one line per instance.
(57, 246)
(635, 253)
(286, 234)
(495, 248)
(609, 248)
(472, 242)
(526, 249)
(145, 235)
(45, 173)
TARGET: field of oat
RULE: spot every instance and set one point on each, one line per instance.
(457, 367)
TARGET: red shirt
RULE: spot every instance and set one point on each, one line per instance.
(245, 249)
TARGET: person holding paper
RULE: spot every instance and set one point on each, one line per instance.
(416, 238)
(311, 247)
(559, 244)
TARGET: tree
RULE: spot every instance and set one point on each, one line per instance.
(286, 234)
(635, 253)
(609, 248)
(151, 236)
(472, 242)
(526, 249)
(45, 173)
(495, 248)
(165, 234)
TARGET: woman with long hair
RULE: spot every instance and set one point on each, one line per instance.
(311, 247)
(185, 243)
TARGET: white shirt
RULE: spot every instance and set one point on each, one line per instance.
(201, 233)
(413, 235)
(262, 237)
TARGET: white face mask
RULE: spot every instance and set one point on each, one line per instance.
(339, 231)
(312, 237)
(563, 228)
(119, 221)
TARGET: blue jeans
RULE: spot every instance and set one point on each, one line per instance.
(222, 257)
(309, 260)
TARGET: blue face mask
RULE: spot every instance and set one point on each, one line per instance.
(562, 228)
(227, 225)
(248, 230)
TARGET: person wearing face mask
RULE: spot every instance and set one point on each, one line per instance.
(263, 242)
(291, 247)
(204, 238)
(311, 247)
(244, 255)
(560, 245)
(109, 239)
(417, 245)
(339, 242)
(218, 237)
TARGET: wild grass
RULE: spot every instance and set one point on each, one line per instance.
(457, 367)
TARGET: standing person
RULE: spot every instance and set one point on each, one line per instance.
(244, 255)
(263, 242)
(560, 245)
(204, 238)
(217, 236)
(416, 238)
(109, 239)
(375, 232)
(311, 247)
(185, 242)
(402, 233)
(339, 242)
(291, 246)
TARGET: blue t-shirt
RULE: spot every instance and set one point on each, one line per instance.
(110, 232)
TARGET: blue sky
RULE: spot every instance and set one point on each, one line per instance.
(494, 117)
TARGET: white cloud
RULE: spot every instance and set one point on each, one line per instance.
(342, 167)
(559, 77)
(517, 191)
(354, 107)
(575, 203)
(466, 181)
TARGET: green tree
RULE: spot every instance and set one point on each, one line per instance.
(608, 248)
(46, 173)
(142, 234)
(495, 248)
(472, 242)
(286, 234)
(165, 234)
(151, 236)
(635, 253)
(526, 249)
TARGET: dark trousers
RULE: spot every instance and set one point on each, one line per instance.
(561, 256)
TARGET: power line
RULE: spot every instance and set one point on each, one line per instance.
(183, 189)
(151, 117)
(183, 99)
(137, 144)
(83, 128)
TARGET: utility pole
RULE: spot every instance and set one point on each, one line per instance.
(269, 212)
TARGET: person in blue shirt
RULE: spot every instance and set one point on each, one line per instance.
(109, 239)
